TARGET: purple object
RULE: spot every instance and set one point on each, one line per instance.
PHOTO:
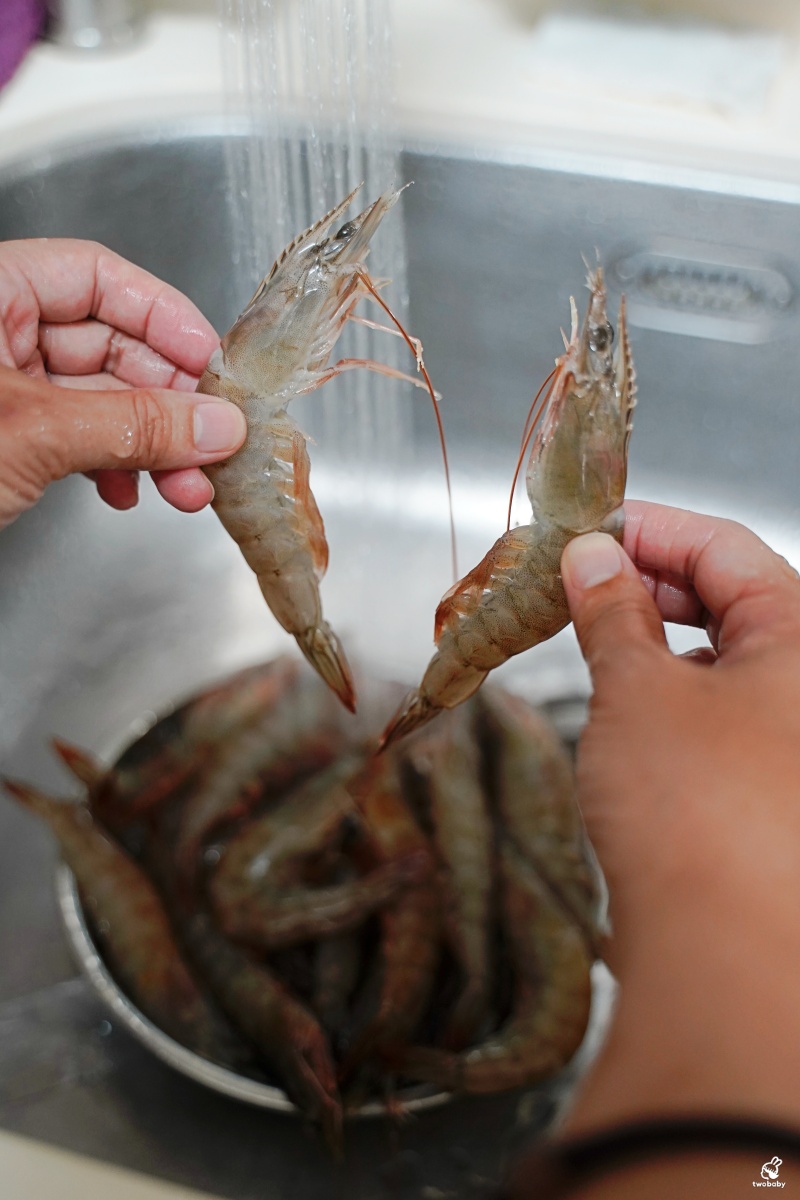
(20, 24)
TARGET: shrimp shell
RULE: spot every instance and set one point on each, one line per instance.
(278, 349)
(449, 760)
(123, 795)
(533, 784)
(257, 891)
(337, 966)
(411, 926)
(295, 735)
(552, 996)
(284, 1030)
(514, 598)
(286, 1034)
(130, 921)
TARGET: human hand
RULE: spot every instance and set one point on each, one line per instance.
(679, 766)
(689, 783)
(97, 358)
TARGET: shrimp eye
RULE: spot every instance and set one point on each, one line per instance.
(601, 337)
(347, 231)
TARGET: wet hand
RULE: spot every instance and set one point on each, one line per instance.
(689, 781)
(689, 770)
(98, 365)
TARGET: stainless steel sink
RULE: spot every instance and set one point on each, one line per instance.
(106, 617)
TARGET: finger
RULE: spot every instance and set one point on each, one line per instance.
(34, 366)
(675, 598)
(85, 383)
(70, 280)
(188, 490)
(61, 430)
(119, 489)
(750, 592)
(93, 348)
(615, 618)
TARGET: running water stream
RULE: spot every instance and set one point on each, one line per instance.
(309, 85)
(309, 88)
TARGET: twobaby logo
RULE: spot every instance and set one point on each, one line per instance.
(769, 1174)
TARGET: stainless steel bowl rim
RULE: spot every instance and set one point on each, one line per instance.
(219, 1079)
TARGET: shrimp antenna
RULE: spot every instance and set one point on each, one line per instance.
(527, 433)
(530, 415)
(416, 350)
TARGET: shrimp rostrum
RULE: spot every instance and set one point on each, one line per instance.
(279, 349)
(575, 480)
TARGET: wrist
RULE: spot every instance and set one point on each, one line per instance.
(705, 1021)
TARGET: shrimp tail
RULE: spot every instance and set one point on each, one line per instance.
(448, 681)
(416, 710)
(324, 651)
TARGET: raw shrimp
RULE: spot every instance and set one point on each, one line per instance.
(552, 995)
(298, 734)
(337, 965)
(283, 1030)
(448, 759)
(575, 479)
(257, 890)
(279, 349)
(125, 794)
(534, 790)
(130, 921)
(410, 927)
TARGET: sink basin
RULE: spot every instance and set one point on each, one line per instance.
(107, 617)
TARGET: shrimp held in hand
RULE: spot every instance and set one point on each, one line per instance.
(279, 349)
(575, 480)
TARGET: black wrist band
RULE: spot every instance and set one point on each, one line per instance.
(555, 1168)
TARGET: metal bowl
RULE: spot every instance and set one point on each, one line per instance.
(567, 714)
(219, 1079)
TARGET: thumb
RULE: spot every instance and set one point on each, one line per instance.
(137, 429)
(615, 617)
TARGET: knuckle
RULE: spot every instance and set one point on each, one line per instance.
(148, 430)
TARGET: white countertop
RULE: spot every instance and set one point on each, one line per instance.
(32, 1171)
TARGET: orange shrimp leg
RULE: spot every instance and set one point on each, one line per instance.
(370, 364)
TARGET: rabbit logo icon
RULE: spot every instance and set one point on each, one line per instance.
(770, 1170)
(769, 1173)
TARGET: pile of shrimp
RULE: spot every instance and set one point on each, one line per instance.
(287, 903)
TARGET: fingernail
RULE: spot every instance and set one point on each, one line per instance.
(592, 558)
(218, 426)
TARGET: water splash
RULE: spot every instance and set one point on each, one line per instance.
(310, 103)
(310, 99)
